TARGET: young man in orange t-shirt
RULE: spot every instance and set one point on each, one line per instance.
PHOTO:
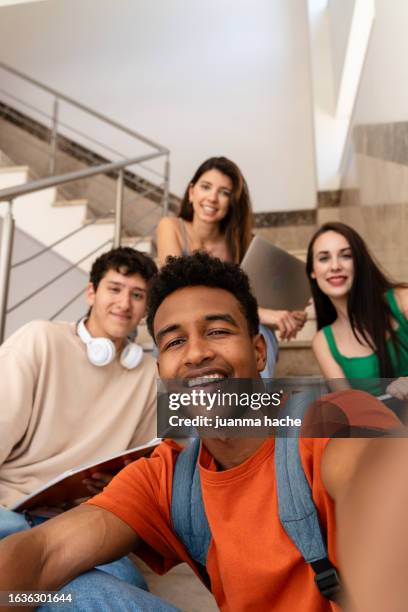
(204, 320)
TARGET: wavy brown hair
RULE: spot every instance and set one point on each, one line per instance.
(237, 224)
(368, 310)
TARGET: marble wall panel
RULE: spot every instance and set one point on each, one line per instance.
(387, 141)
(291, 238)
(381, 182)
(296, 361)
(385, 230)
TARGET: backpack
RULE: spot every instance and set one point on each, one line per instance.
(297, 510)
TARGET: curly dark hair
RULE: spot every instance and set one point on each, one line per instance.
(124, 260)
(202, 269)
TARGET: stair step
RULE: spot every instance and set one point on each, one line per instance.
(74, 202)
(10, 169)
(295, 344)
(5, 160)
(109, 218)
(296, 359)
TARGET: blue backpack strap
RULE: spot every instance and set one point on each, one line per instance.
(187, 507)
(297, 510)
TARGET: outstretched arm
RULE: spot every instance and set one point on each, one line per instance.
(52, 554)
(368, 481)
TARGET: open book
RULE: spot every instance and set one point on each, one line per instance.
(68, 486)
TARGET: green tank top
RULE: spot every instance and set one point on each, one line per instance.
(368, 367)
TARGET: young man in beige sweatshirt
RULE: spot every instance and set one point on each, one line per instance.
(72, 393)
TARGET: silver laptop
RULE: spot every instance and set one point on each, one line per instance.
(277, 278)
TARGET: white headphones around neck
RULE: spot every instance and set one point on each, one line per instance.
(102, 351)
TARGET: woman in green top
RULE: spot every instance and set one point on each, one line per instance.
(361, 315)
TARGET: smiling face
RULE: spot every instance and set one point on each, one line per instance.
(202, 333)
(118, 304)
(211, 195)
(333, 266)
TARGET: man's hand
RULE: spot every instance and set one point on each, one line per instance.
(97, 482)
(399, 388)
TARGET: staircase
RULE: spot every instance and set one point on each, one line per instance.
(68, 196)
(28, 277)
(40, 221)
(47, 218)
(92, 200)
(42, 218)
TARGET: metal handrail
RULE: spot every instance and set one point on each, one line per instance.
(10, 193)
(65, 306)
(60, 275)
(79, 229)
(14, 113)
(84, 108)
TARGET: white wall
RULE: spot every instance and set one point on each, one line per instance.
(329, 136)
(206, 78)
(383, 95)
(340, 16)
(339, 37)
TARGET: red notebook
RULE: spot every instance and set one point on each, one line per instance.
(68, 488)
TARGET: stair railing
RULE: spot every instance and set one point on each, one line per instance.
(58, 97)
(9, 194)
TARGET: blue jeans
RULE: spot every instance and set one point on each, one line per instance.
(272, 348)
(13, 522)
(96, 591)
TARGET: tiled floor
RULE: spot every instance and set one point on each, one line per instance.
(181, 588)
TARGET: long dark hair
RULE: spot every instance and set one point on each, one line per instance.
(367, 308)
(237, 223)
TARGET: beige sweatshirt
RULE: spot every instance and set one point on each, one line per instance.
(57, 410)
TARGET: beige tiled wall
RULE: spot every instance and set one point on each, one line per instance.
(375, 196)
(385, 229)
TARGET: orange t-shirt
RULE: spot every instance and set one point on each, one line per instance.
(252, 563)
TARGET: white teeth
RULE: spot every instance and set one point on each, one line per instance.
(194, 382)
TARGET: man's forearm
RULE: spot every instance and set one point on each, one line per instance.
(22, 563)
(49, 556)
(373, 529)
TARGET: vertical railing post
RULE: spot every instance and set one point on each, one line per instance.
(118, 209)
(166, 188)
(6, 251)
(53, 139)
